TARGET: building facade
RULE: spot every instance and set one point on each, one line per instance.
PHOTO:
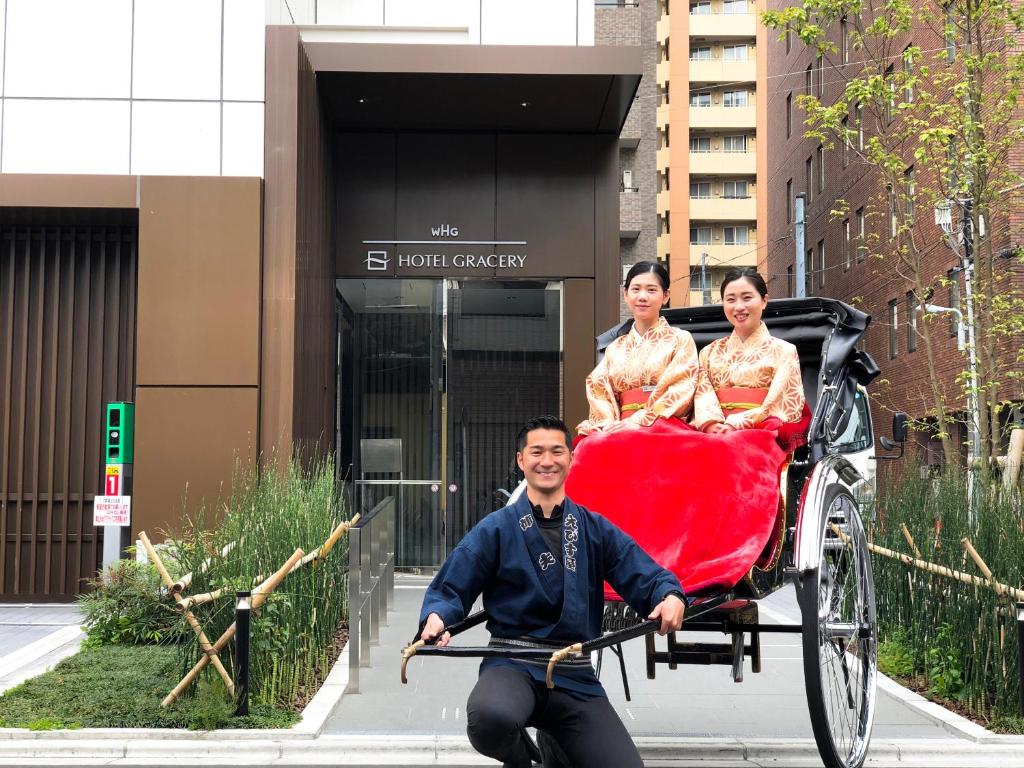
(385, 229)
(852, 230)
(711, 160)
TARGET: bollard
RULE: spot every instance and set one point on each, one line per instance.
(243, 612)
(1020, 654)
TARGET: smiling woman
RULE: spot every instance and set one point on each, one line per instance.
(749, 376)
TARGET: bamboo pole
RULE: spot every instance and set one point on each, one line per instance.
(259, 596)
(1013, 458)
(181, 584)
(983, 567)
(203, 599)
(204, 642)
(924, 565)
(321, 552)
(910, 541)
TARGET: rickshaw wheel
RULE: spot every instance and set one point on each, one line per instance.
(840, 636)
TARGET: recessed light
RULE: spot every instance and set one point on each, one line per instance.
(524, 104)
(361, 100)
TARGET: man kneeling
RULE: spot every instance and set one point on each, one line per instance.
(540, 565)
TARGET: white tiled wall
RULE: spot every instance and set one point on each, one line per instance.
(176, 86)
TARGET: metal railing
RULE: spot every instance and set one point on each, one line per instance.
(371, 584)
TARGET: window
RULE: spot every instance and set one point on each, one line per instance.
(911, 322)
(735, 190)
(821, 168)
(908, 75)
(736, 235)
(734, 53)
(700, 235)
(949, 32)
(700, 190)
(702, 53)
(700, 143)
(809, 273)
(953, 276)
(663, 134)
(789, 115)
(857, 436)
(789, 39)
(859, 112)
(627, 181)
(910, 189)
(700, 99)
(734, 6)
(846, 244)
(735, 99)
(662, 95)
(808, 177)
(890, 105)
(846, 142)
(789, 203)
(696, 278)
(844, 40)
(700, 8)
(735, 143)
(808, 80)
(663, 179)
(894, 222)
(821, 75)
(663, 224)
(862, 246)
(790, 284)
(894, 335)
(821, 264)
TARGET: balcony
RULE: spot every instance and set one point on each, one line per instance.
(744, 255)
(661, 202)
(723, 117)
(663, 116)
(630, 215)
(723, 208)
(662, 72)
(663, 26)
(663, 246)
(661, 159)
(629, 138)
(723, 26)
(722, 71)
(724, 163)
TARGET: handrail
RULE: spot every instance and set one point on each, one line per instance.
(371, 583)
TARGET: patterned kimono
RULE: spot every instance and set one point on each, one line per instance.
(663, 361)
(762, 362)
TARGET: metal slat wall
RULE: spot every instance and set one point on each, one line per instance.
(67, 346)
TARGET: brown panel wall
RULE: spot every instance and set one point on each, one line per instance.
(364, 177)
(79, 191)
(186, 442)
(607, 270)
(199, 278)
(314, 344)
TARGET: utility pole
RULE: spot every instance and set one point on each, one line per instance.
(974, 416)
(801, 267)
(705, 289)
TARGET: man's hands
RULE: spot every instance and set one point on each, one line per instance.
(434, 627)
(670, 611)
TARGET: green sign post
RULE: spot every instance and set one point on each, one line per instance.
(112, 510)
(120, 434)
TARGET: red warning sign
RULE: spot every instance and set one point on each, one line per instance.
(112, 480)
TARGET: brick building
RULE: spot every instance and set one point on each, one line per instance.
(848, 246)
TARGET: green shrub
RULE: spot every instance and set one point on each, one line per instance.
(895, 656)
(127, 606)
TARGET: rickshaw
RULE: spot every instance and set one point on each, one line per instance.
(818, 540)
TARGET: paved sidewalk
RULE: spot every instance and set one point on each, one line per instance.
(34, 638)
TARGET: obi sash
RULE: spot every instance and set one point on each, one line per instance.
(634, 400)
(739, 399)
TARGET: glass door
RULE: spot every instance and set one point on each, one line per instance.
(435, 378)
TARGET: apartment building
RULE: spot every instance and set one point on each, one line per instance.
(711, 160)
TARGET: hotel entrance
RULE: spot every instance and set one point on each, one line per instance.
(435, 379)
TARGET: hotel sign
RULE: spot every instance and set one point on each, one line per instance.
(443, 251)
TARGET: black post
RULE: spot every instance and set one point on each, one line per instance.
(1020, 654)
(243, 611)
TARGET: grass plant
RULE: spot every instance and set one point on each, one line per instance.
(960, 639)
(270, 515)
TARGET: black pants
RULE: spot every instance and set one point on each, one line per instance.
(505, 699)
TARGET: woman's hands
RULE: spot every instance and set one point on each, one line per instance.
(718, 428)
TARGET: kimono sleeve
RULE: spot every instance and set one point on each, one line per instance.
(631, 571)
(785, 398)
(673, 394)
(464, 575)
(604, 408)
(706, 408)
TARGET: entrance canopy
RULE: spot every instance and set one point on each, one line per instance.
(475, 88)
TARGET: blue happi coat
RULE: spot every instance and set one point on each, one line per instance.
(530, 593)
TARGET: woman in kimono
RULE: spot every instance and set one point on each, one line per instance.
(649, 373)
(750, 376)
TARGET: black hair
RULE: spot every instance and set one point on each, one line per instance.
(750, 274)
(543, 422)
(643, 267)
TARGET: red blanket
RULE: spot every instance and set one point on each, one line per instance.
(703, 506)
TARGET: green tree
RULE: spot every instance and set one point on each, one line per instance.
(932, 107)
